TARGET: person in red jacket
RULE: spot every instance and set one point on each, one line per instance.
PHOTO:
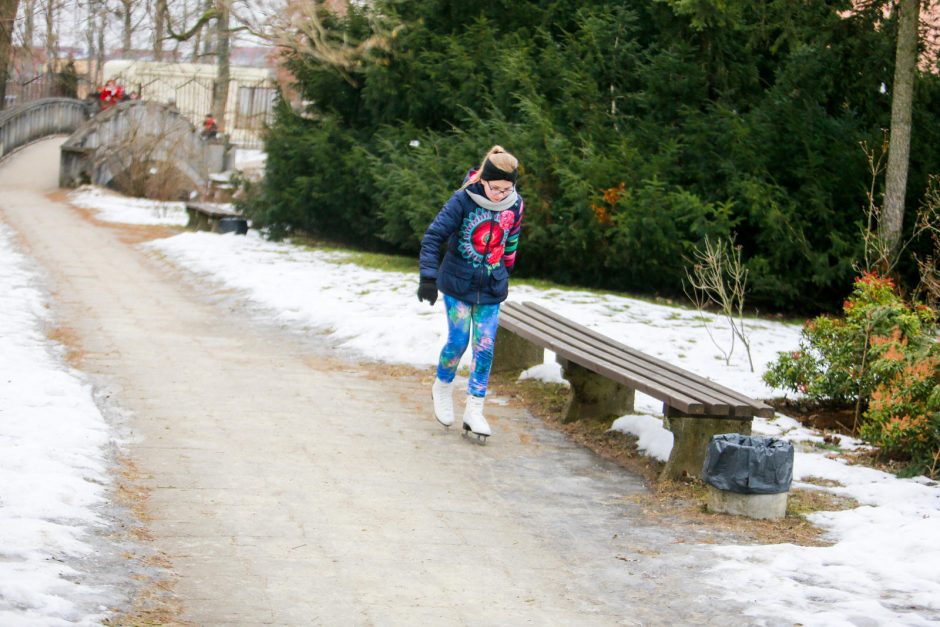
(110, 94)
(210, 127)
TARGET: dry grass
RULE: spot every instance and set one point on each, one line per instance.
(681, 505)
(68, 339)
(154, 601)
(139, 233)
(547, 401)
(127, 233)
(153, 605)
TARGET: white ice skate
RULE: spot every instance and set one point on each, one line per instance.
(473, 419)
(443, 402)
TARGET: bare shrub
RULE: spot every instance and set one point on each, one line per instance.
(718, 278)
(152, 155)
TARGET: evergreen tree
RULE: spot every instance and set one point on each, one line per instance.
(642, 128)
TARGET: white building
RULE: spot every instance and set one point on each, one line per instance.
(189, 87)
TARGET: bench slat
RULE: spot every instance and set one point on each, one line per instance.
(212, 210)
(671, 392)
(714, 403)
(761, 409)
(526, 330)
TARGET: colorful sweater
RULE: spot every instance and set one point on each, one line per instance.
(481, 248)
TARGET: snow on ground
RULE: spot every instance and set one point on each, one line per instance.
(884, 565)
(323, 291)
(53, 469)
(248, 158)
(884, 568)
(112, 207)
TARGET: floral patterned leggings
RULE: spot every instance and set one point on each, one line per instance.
(485, 320)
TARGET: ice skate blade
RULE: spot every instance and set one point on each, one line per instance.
(481, 437)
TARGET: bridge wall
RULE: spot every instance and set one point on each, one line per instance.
(134, 137)
(40, 118)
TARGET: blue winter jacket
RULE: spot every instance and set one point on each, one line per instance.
(481, 248)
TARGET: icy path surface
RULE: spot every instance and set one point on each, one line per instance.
(293, 489)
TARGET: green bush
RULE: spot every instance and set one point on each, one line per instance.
(316, 181)
(836, 358)
(883, 356)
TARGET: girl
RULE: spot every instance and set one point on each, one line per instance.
(481, 224)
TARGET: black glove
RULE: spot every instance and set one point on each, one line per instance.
(427, 290)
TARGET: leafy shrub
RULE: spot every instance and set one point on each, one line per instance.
(836, 358)
(882, 355)
(903, 416)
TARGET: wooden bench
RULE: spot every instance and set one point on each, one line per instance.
(215, 217)
(604, 375)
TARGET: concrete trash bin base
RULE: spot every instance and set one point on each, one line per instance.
(748, 475)
(761, 506)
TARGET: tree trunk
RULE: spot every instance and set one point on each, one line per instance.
(159, 29)
(899, 148)
(52, 43)
(128, 6)
(7, 18)
(208, 44)
(220, 87)
(102, 20)
(197, 37)
(92, 73)
(29, 32)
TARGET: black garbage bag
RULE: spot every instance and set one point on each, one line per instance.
(748, 464)
(239, 226)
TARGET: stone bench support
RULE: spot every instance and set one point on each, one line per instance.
(583, 352)
(593, 396)
(512, 353)
(692, 435)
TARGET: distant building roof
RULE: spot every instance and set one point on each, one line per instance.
(119, 67)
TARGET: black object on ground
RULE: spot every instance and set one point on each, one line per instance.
(748, 464)
(239, 226)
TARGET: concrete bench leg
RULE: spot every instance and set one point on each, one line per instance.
(513, 353)
(692, 435)
(193, 222)
(197, 221)
(593, 396)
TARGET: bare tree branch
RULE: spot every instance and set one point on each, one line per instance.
(186, 35)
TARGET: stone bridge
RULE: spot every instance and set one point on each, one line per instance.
(142, 148)
(139, 147)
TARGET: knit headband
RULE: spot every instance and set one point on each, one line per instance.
(492, 173)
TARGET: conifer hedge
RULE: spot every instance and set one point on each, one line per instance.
(641, 126)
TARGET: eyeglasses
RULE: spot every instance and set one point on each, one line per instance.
(502, 191)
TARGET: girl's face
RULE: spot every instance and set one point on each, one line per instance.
(497, 190)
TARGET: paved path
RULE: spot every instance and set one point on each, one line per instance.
(289, 488)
